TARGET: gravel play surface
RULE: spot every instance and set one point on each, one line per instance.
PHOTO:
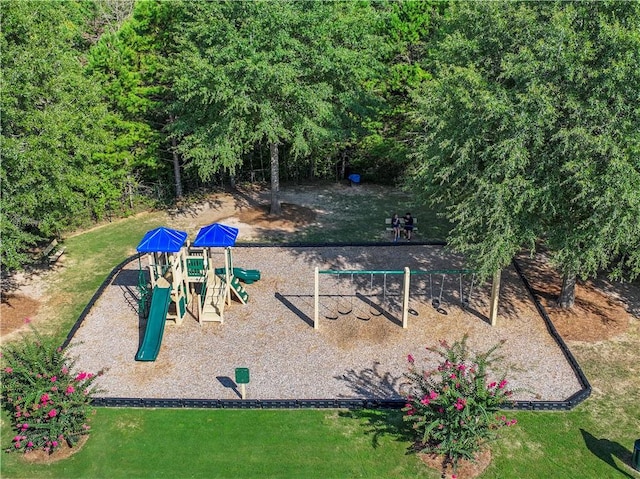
(357, 355)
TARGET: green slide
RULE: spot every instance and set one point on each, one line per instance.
(155, 324)
(247, 276)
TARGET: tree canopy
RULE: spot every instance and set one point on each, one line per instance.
(270, 73)
(529, 131)
(56, 170)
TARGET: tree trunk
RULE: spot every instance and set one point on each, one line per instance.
(130, 190)
(275, 180)
(568, 292)
(176, 168)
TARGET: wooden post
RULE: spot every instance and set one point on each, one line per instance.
(243, 391)
(316, 299)
(495, 295)
(152, 269)
(228, 272)
(405, 300)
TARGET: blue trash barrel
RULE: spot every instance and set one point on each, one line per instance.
(635, 458)
(353, 178)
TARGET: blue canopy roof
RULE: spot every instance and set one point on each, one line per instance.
(162, 240)
(216, 235)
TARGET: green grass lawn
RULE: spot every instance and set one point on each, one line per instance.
(178, 443)
(592, 441)
(360, 218)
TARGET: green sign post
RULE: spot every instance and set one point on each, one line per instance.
(242, 378)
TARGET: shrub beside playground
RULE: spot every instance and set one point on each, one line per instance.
(48, 402)
(455, 409)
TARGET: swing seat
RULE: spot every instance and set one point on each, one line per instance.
(435, 303)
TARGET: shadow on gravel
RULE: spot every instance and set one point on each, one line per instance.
(372, 383)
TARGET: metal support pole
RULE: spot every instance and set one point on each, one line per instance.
(316, 299)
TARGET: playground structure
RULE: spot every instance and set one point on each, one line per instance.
(183, 278)
(436, 286)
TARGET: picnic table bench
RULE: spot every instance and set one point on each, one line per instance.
(53, 251)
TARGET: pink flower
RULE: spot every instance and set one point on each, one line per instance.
(425, 400)
(17, 444)
(8, 370)
(502, 384)
(54, 379)
(461, 367)
(44, 398)
(25, 426)
(410, 358)
(433, 395)
(54, 443)
(27, 320)
(53, 413)
(453, 476)
(492, 385)
(54, 388)
(29, 444)
(452, 376)
(460, 404)
(70, 390)
(64, 370)
(410, 412)
(81, 376)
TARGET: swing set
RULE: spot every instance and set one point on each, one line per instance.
(345, 307)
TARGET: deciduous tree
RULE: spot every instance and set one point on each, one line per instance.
(529, 131)
(272, 73)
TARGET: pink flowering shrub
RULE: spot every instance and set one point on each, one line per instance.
(49, 405)
(454, 408)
